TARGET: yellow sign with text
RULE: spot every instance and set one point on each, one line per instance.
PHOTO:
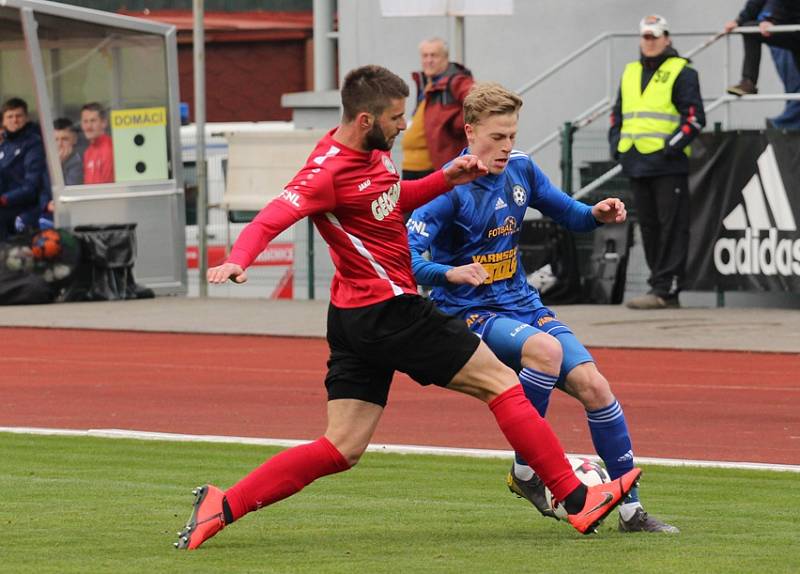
(139, 118)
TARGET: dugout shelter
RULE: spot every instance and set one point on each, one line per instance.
(59, 58)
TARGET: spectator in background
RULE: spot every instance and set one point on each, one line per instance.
(41, 216)
(436, 132)
(98, 159)
(773, 12)
(66, 141)
(787, 69)
(23, 172)
(658, 112)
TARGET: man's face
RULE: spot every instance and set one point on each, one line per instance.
(65, 141)
(434, 58)
(14, 119)
(385, 127)
(652, 46)
(492, 138)
(92, 124)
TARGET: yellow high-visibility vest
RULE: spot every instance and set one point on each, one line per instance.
(649, 118)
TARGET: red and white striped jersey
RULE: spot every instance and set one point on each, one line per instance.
(357, 202)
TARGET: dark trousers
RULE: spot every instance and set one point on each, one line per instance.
(752, 49)
(662, 206)
(7, 217)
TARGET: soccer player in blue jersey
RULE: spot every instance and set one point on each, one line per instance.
(472, 235)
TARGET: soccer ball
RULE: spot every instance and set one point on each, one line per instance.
(46, 244)
(590, 473)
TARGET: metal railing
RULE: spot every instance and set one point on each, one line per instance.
(604, 105)
(565, 134)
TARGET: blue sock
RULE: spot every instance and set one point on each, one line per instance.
(537, 386)
(612, 441)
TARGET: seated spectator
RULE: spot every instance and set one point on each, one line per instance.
(772, 13)
(71, 161)
(41, 216)
(23, 171)
(98, 159)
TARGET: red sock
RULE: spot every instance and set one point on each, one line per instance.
(531, 436)
(283, 475)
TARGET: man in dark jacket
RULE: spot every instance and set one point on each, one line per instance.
(765, 14)
(435, 134)
(22, 165)
(658, 112)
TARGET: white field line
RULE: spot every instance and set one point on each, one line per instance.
(385, 448)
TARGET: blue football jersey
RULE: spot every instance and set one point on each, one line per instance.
(480, 222)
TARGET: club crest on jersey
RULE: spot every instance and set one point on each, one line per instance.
(389, 164)
(520, 195)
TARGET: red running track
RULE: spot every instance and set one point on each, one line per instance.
(679, 404)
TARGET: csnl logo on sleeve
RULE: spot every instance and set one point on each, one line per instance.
(415, 226)
(291, 196)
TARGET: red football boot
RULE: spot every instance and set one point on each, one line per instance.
(601, 499)
(207, 518)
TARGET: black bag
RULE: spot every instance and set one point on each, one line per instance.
(609, 263)
(544, 243)
(106, 270)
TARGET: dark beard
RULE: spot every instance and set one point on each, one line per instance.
(376, 140)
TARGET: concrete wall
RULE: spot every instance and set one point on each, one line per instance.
(514, 49)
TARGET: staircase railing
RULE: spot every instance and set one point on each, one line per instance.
(601, 107)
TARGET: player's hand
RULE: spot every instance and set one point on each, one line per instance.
(765, 26)
(464, 169)
(222, 273)
(610, 210)
(473, 274)
(729, 26)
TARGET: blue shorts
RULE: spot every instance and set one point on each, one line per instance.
(505, 336)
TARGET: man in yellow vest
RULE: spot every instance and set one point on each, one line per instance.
(657, 114)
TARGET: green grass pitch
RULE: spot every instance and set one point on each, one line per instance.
(102, 505)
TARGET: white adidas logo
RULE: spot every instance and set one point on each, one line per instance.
(754, 254)
(500, 204)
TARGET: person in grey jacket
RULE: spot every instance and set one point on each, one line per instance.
(66, 138)
(71, 161)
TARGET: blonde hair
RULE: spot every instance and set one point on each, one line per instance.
(489, 99)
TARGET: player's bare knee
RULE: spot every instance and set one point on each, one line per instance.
(590, 387)
(542, 352)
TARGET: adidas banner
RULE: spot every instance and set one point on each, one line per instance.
(745, 205)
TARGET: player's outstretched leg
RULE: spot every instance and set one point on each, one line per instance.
(208, 517)
(601, 499)
(281, 476)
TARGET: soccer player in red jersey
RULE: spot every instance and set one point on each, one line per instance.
(377, 323)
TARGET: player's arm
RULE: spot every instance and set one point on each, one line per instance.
(423, 227)
(298, 200)
(559, 206)
(463, 169)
